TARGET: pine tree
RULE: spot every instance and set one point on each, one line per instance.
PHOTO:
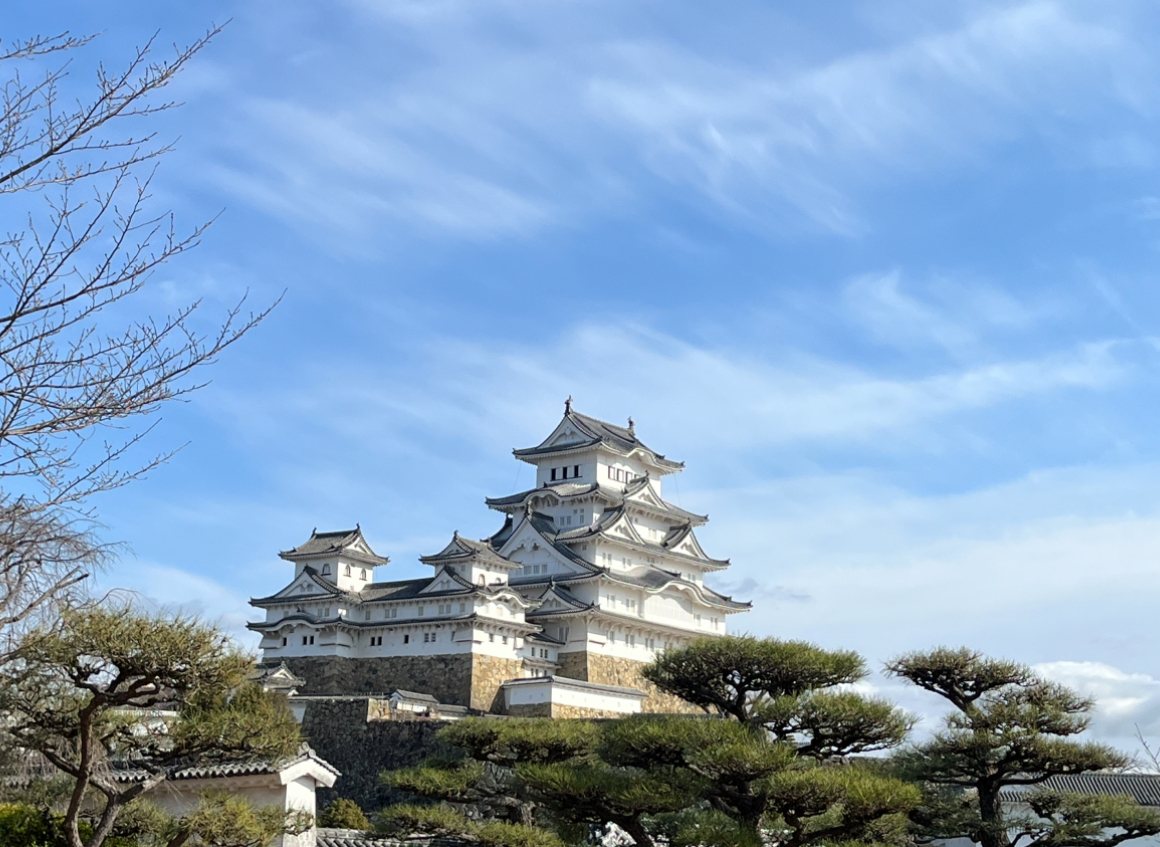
(1010, 728)
(85, 693)
(769, 765)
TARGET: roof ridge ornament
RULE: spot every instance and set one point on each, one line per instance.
(631, 427)
(568, 405)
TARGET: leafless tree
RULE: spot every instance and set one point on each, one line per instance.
(80, 372)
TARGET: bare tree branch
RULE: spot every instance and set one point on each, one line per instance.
(80, 371)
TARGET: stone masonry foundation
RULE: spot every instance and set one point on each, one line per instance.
(449, 679)
(611, 670)
(488, 673)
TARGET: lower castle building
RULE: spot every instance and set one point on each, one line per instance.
(591, 575)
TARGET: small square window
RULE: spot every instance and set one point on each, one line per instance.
(406, 639)
(553, 474)
(283, 641)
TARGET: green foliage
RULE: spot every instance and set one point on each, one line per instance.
(403, 820)
(728, 675)
(442, 779)
(785, 687)
(101, 686)
(406, 821)
(758, 767)
(1064, 819)
(23, 825)
(504, 834)
(222, 819)
(1010, 728)
(507, 742)
(242, 723)
(344, 813)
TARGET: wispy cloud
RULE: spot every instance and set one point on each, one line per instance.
(943, 313)
(1126, 703)
(173, 589)
(481, 134)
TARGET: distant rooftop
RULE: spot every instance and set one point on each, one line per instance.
(620, 439)
(344, 542)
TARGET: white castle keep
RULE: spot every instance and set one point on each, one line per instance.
(591, 575)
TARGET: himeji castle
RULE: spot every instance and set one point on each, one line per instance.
(591, 575)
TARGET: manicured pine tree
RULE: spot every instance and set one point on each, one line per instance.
(84, 693)
(772, 762)
(1010, 728)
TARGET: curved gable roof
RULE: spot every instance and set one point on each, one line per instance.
(462, 550)
(593, 432)
(348, 543)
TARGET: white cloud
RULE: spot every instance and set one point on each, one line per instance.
(941, 312)
(174, 590)
(812, 135)
(1124, 701)
(483, 392)
(1127, 710)
(479, 134)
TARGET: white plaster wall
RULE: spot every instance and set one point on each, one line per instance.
(587, 462)
(568, 696)
(546, 691)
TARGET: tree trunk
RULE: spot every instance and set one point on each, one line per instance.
(636, 830)
(994, 830)
(72, 831)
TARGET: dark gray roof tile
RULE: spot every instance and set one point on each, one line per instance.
(1144, 788)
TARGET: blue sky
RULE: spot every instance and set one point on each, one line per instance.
(882, 274)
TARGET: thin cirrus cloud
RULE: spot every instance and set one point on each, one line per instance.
(744, 402)
(492, 137)
(942, 313)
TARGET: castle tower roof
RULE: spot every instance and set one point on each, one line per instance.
(577, 432)
(347, 543)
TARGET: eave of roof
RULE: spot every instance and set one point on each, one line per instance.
(1144, 788)
(599, 433)
(220, 770)
(325, 544)
(400, 623)
(462, 549)
(600, 529)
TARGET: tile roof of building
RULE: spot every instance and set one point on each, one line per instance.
(126, 774)
(602, 527)
(339, 542)
(461, 549)
(1144, 788)
(613, 496)
(329, 837)
(621, 439)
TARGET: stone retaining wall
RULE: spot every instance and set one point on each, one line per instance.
(611, 670)
(488, 673)
(340, 733)
(449, 679)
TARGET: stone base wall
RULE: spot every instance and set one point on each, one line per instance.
(611, 670)
(449, 679)
(573, 665)
(340, 733)
(488, 673)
